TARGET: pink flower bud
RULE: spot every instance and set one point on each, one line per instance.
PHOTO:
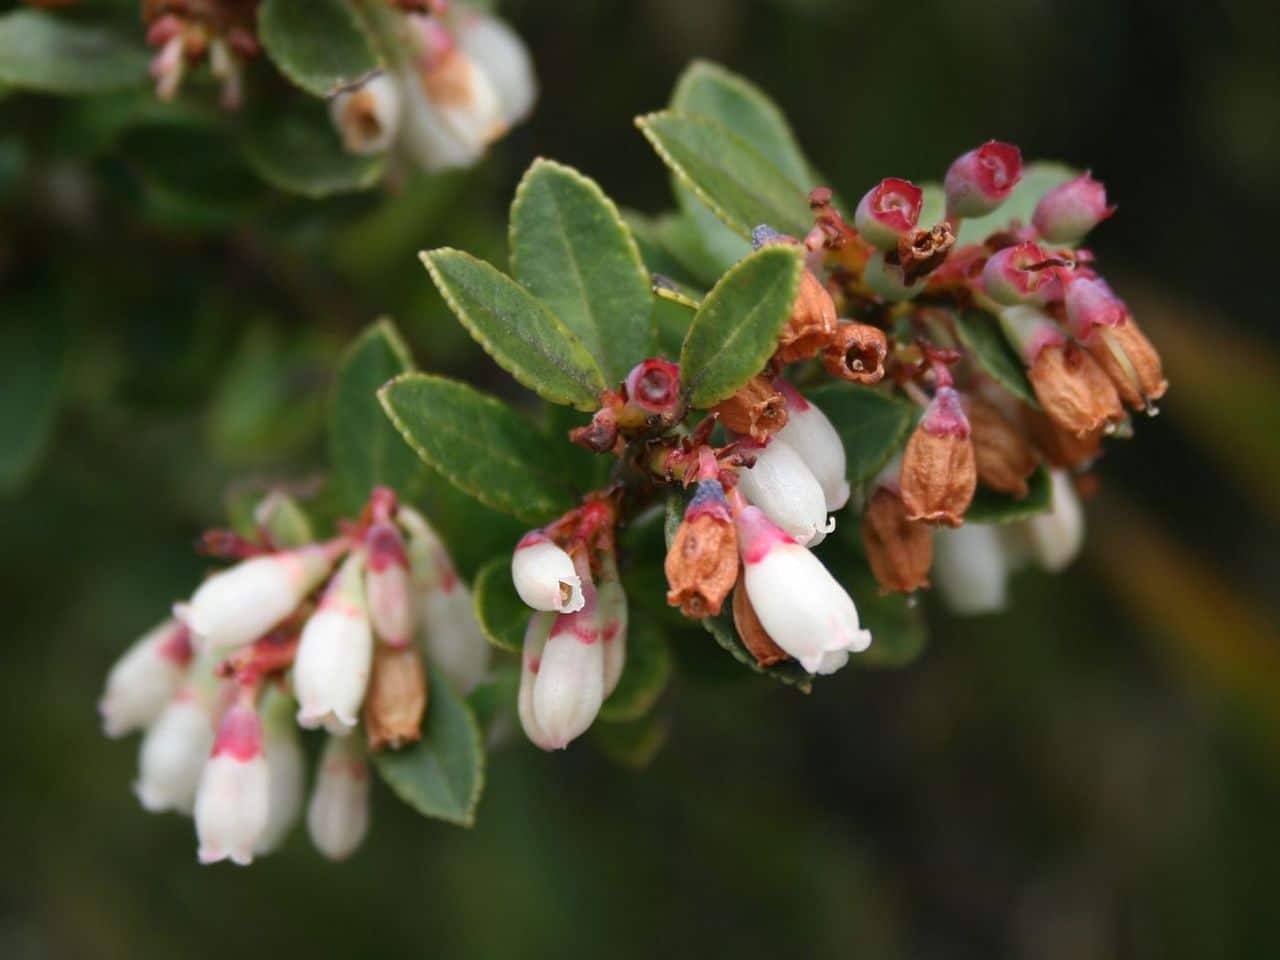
(338, 814)
(451, 636)
(173, 751)
(797, 601)
(566, 675)
(1091, 305)
(782, 486)
(890, 209)
(971, 568)
(613, 623)
(231, 803)
(1068, 212)
(335, 654)
(1057, 535)
(239, 605)
(1009, 278)
(285, 770)
(810, 434)
(387, 585)
(654, 385)
(980, 180)
(145, 679)
(544, 575)
(367, 117)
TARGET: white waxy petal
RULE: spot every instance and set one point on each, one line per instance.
(1057, 535)
(173, 753)
(367, 117)
(545, 577)
(452, 640)
(535, 641)
(971, 568)
(498, 51)
(286, 773)
(786, 490)
(570, 682)
(145, 679)
(812, 436)
(338, 814)
(335, 655)
(232, 800)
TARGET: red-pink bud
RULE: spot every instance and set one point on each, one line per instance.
(980, 180)
(1069, 211)
(654, 385)
(889, 210)
(387, 584)
(1010, 275)
(1090, 305)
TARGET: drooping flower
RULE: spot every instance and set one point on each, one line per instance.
(702, 562)
(812, 436)
(387, 583)
(338, 814)
(899, 549)
(175, 746)
(783, 486)
(232, 801)
(145, 679)
(544, 575)
(939, 476)
(367, 116)
(396, 698)
(1057, 535)
(971, 568)
(285, 770)
(334, 658)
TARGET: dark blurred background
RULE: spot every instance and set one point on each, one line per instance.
(1093, 775)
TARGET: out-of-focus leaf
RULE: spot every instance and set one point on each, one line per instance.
(736, 328)
(981, 334)
(39, 51)
(442, 775)
(472, 531)
(990, 506)
(1037, 179)
(32, 353)
(632, 743)
(872, 425)
(723, 247)
(285, 521)
(673, 312)
(721, 626)
(293, 147)
(502, 614)
(730, 176)
(495, 696)
(658, 260)
(365, 449)
(570, 248)
(320, 45)
(645, 676)
(480, 445)
(516, 329)
(193, 177)
(681, 239)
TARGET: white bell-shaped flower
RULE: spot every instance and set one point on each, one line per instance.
(971, 567)
(286, 772)
(335, 654)
(338, 814)
(145, 679)
(1057, 535)
(544, 575)
(232, 801)
(783, 486)
(367, 116)
(809, 433)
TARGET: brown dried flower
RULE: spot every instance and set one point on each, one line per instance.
(1073, 389)
(1001, 449)
(899, 549)
(757, 409)
(1061, 447)
(856, 353)
(1132, 363)
(702, 564)
(396, 699)
(753, 634)
(812, 322)
(939, 475)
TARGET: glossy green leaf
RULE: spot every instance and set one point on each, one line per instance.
(1037, 179)
(570, 248)
(989, 506)
(658, 260)
(494, 698)
(365, 449)
(516, 329)
(708, 89)
(719, 244)
(736, 328)
(873, 425)
(442, 775)
(502, 614)
(645, 676)
(32, 358)
(320, 45)
(293, 147)
(721, 626)
(730, 176)
(478, 443)
(632, 743)
(682, 240)
(40, 51)
(990, 349)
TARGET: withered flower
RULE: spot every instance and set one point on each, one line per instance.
(920, 252)
(396, 698)
(1073, 389)
(702, 564)
(1060, 447)
(939, 475)
(757, 409)
(856, 353)
(753, 635)
(899, 549)
(812, 322)
(1001, 449)
(1130, 361)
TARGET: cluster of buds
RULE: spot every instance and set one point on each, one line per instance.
(186, 32)
(336, 636)
(457, 80)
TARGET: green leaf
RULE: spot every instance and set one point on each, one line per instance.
(1037, 179)
(286, 522)
(632, 743)
(645, 676)
(730, 176)
(989, 506)
(682, 240)
(516, 329)
(659, 261)
(442, 775)
(480, 445)
(673, 312)
(495, 696)
(502, 614)
(320, 45)
(709, 90)
(32, 358)
(570, 248)
(873, 425)
(721, 626)
(981, 334)
(293, 147)
(365, 449)
(721, 246)
(39, 51)
(736, 328)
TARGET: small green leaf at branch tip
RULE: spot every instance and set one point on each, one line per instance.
(442, 775)
(873, 425)
(572, 250)
(481, 446)
(53, 54)
(503, 616)
(982, 336)
(735, 330)
(320, 45)
(989, 506)
(515, 328)
(740, 185)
